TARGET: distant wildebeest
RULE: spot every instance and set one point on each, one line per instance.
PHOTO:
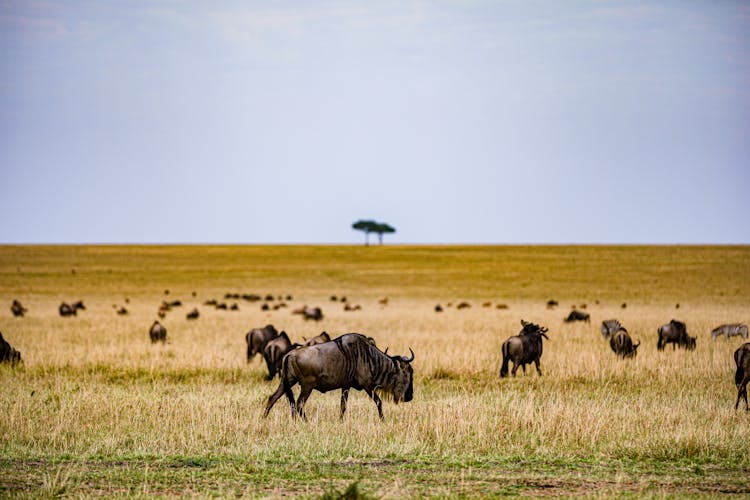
(313, 313)
(622, 344)
(194, 314)
(524, 348)
(501, 306)
(257, 338)
(349, 307)
(17, 308)
(576, 315)
(675, 333)
(175, 303)
(274, 352)
(71, 309)
(742, 376)
(609, 327)
(122, 311)
(318, 339)
(234, 307)
(730, 331)
(624, 305)
(157, 333)
(347, 362)
(8, 354)
(552, 303)
(463, 305)
(438, 308)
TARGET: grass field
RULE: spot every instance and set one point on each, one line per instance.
(96, 409)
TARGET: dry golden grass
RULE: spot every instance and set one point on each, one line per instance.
(97, 408)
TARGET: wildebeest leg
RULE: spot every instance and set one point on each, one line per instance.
(344, 397)
(538, 370)
(378, 402)
(303, 395)
(514, 370)
(275, 397)
(742, 392)
(524, 368)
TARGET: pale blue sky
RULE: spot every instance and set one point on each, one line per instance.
(456, 122)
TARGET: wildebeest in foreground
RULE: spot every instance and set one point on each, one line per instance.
(318, 339)
(675, 333)
(8, 354)
(157, 333)
(71, 309)
(347, 362)
(742, 376)
(524, 348)
(576, 315)
(622, 344)
(274, 352)
(257, 338)
(17, 308)
(729, 331)
(610, 327)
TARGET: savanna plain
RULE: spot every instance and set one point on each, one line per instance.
(97, 409)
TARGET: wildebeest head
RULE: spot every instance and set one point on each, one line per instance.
(401, 383)
(533, 329)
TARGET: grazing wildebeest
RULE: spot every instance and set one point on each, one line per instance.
(675, 333)
(609, 327)
(257, 338)
(8, 354)
(463, 305)
(313, 313)
(318, 339)
(194, 314)
(347, 362)
(742, 376)
(122, 311)
(157, 333)
(576, 315)
(730, 331)
(71, 309)
(552, 303)
(524, 348)
(438, 308)
(622, 344)
(274, 352)
(17, 308)
(349, 307)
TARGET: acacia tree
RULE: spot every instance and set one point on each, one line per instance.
(367, 226)
(381, 228)
(370, 226)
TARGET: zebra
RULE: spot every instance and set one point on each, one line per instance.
(729, 331)
(610, 327)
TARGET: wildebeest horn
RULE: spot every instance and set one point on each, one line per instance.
(543, 329)
(408, 360)
(386, 350)
(524, 323)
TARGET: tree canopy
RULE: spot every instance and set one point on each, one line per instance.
(370, 226)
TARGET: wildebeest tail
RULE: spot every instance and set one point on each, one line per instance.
(506, 358)
(738, 358)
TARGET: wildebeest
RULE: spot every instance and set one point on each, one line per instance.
(313, 313)
(157, 333)
(274, 352)
(194, 314)
(730, 331)
(675, 333)
(8, 354)
(318, 339)
(121, 311)
(742, 376)
(609, 327)
(71, 309)
(524, 348)
(463, 305)
(17, 308)
(576, 315)
(438, 308)
(347, 362)
(622, 344)
(257, 338)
